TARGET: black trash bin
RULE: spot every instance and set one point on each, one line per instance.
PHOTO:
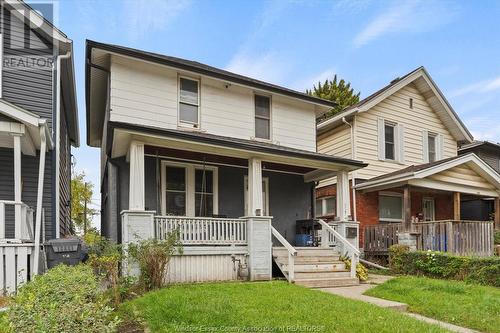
(68, 251)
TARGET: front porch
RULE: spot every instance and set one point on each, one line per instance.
(227, 204)
(422, 207)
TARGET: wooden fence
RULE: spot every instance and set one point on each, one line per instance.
(15, 266)
(459, 237)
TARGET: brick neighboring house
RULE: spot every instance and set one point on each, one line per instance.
(408, 134)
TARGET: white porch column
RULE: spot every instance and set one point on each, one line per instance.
(343, 201)
(136, 184)
(255, 205)
(17, 185)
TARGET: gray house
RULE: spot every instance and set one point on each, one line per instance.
(228, 160)
(38, 127)
(482, 209)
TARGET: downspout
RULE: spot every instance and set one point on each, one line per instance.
(353, 173)
(58, 141)
(39, 197)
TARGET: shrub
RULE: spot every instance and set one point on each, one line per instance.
(153, 257)
(497, 237)
(361, 270)
(65, 299)
(445, 266)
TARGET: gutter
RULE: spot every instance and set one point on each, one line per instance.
(39, 198)
(57, 139)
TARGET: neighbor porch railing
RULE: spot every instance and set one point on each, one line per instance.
(378, 238)
(203, 230)
(25, 224)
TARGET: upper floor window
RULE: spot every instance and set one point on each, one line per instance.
(262, 117)
(189, 101)
(390, 143)
(432, 149)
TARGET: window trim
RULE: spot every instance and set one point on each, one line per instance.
(435, 137)
(391, 194)
(255, 94)
(183, 123)
(430, 199)
(323, 206)
(190, 186)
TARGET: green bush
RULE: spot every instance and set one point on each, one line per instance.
(497, 237)
(65, 299)
(445, 266)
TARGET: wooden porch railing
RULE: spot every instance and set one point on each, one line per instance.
(459, 237)
(203, 230)
(25, 225)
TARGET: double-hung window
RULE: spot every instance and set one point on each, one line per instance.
(432, 144)
(204, 192)
(262, 117)
(189, 102)
(325, 206)
(390, 142)
(390, 207)
(175, 190)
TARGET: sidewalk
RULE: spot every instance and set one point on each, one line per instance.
(356, 292)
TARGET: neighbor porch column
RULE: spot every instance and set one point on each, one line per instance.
(407, 208)
(456, 206)
(343, 201)
(136, 185)
(255, 204)
(497, 213)
(17, 185)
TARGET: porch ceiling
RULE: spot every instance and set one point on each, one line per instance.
(230, 149)
(465, 174)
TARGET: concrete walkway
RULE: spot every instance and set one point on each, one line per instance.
(356, 292)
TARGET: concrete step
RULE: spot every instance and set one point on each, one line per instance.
(306, 252)
(327, 283)
(316, 267)
(321, 275)
(310, 260)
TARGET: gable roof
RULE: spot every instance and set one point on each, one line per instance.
(428, 169)
(431, 92)
(478, 145)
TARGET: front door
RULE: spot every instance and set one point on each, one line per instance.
(428, 209)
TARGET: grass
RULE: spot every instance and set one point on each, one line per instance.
(262, 307)
(467, 305)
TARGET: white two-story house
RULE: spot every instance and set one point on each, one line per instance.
(226, 159)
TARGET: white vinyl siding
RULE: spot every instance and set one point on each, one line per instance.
(147, 94)
(1, 65)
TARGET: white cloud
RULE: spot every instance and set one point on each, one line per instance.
(413, 16)
(309, 82)
(145, 16)
(485, 86)
(485, 128)
(267, 66)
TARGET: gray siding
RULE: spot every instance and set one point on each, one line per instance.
(289, 196)
(29, 177)
(491, 159)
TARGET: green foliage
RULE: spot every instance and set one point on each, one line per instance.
(361, 270)
(497, 237)
(81, 192)
(153, 257)
(65, 299)
(336, 91)
(456, 302)
(445, 266)
(246, 306)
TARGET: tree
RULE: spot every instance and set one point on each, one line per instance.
(81, 197)
(339, 92)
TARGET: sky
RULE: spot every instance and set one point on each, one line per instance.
(296, 43)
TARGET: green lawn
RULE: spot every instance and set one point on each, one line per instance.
(467, 305)
(265, 307)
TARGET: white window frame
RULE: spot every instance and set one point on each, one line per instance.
(435, 137)
(270, 118)
(391, 194)
(265, 181)
(394, 138)
(433, 205)
(323, 206)
(190, 186)
(183, 123)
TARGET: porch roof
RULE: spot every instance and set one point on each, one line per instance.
(465, 173)
(123, 133)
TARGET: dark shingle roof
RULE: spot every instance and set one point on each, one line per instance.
(477, 144)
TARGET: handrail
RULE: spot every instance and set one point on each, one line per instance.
(344, 241)
(291, 253)
(354, 251)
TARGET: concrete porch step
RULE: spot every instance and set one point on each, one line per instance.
(316, 267)
(309, 260)
(327, 282)
(306, 251)
(321, 275)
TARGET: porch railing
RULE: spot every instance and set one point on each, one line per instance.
(203, 230)
(459, 237)
(25, 225)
